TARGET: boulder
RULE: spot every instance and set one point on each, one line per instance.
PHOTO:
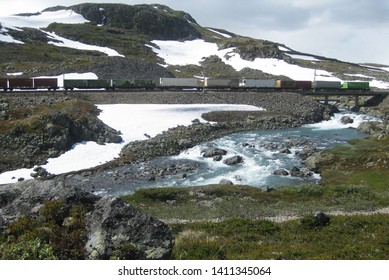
(281, 172)
(316, 160)
(114, 224)
(210, 153)
(217, 158)
(297, 172)
(233, 160)
(372, 127)
(322, 219)
(111, 224)
(226, 182)
(286, 151)
(346, 120)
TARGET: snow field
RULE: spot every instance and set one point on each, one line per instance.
(43, 20)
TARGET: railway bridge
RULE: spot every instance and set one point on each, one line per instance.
(325, 95)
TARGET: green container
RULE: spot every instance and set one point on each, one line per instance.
(98, 83)
(356, 85)
(86, 84)
(133, 83)
(71, 84)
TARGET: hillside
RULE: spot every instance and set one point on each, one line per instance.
(152, 41)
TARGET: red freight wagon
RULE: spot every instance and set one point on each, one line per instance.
(15, 83)
(49, 83)
(4, 84)
(304, 84)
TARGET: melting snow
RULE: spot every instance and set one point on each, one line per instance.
(43, 20)
(220, 33)
(281, 48)
(66, 43)
(193, 52)
(303, 57)
(8, 38)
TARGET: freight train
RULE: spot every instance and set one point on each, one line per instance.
(178, 84)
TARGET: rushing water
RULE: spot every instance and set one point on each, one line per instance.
(262, 155)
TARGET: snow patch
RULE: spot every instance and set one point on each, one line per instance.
(303, 57)
(193, 52)
(4, 37)
(281, 48)
(15, 74)
(66, 43)
(379, 84)
(220, 33)
(42, 20)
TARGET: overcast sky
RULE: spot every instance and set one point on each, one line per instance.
(349, 30)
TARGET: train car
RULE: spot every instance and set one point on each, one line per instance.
(86, 84)
(356, 85)
(221, 83)
(4, 84)
(133, 83)
(326, 85)
(252, 83)
(290, 84)
(45, 83)
(180, 83)
(20, 83)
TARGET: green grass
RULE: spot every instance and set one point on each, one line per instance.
(33, 119)
(357, 237)
(56, 232)
(224, 202)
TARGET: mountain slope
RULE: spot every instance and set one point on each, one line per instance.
(152, 41)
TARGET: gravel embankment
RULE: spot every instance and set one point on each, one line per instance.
(280, 102)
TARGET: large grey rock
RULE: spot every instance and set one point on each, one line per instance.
(346, 120)
(112, 225)
(372, 127)
(233, 160)
(212, 152)
(281, 172)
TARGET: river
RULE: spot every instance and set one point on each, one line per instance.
(261, 152)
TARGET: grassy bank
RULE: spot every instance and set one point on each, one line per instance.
(242, 222)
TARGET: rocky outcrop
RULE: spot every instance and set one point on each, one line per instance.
(374, 128)
(112, 226)
(156, 21)
(43, 132)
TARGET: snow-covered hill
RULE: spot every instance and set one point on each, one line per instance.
(67, 29)
(42, 21)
